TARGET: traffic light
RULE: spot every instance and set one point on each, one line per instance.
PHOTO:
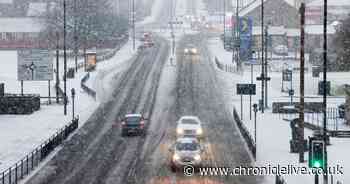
(317, 154)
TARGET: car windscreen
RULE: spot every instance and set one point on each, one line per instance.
(189, 121)
(187, 146)
(133, 120)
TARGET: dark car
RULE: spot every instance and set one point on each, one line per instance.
(341, 111)
(133, 124)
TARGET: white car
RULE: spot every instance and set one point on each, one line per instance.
(191, 50)
(281, 50)
(189, 126)
(186, 151)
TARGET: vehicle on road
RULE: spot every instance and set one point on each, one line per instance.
(186, 151)
(190, 50)
(133, 124)
(281, 50)
(189, 126)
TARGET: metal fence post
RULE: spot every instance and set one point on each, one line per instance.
(32, 160)
(10, 175)
(21, 168)
(27, 164)
(16, 174)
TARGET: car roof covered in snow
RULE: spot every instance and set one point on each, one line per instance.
(187, 140)
(133, 115)
(189, 117)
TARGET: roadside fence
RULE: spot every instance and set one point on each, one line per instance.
(13, 174)
(335, 121)
(88, 90)
(280, 180)
(225, 67)
(245, 133)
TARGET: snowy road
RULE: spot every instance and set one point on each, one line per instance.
(98, 151)
(98, 154)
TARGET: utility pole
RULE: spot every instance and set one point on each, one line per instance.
(262, 56)
(325, 88)
(302, 82)
(266, 64)
(64, 58)
(75, 37)
(133, 24)
(57, 67)
(224, 21)
(237, 37)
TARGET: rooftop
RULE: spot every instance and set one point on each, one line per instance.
(23, 25)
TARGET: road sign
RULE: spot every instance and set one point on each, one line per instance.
(287, 75)
(246, 89)
(321, 87)
(34, 65)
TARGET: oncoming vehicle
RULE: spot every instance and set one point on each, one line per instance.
(281, 50)
(189, 126)
(191, 49)
(186, 151)
(133, 123)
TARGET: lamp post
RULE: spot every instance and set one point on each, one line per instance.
(64, 58)
(325, 88)
(73, 96)
(224, 22)
(262, 57)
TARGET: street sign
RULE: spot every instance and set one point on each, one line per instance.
(291, 92)
(321, 87)
(287, 75)
(34, 65)
(246, 89)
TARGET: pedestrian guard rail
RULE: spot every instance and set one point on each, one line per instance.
(28, 163)
(245, 133)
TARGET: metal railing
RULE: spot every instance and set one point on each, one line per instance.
(245, 133)
(280, 180)
(225, 67)
(315, 119)
(88, 90)
(27, 164)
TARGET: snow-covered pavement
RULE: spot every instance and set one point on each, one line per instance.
(32, 130)
(273, 133)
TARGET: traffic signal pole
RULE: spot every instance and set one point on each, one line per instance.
(302, 69)
(64, 58)
(262, 56)
(325, 176)
(133, 24)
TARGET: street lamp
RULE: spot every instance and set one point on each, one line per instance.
(73, 96)
(64, 57)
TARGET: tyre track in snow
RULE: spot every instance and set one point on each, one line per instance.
(87, 158)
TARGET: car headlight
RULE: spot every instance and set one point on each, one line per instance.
(197, 157)
(179, 131)
(194, 51)
(186, 50)
(176, 157)
(199, 131)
